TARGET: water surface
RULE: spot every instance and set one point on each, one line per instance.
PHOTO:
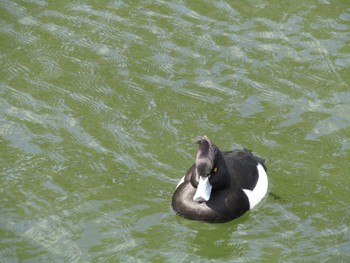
(100, 103)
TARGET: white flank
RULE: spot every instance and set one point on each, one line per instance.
(260, 190)
(181, 181)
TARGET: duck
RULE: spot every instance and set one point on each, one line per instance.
(221, 185)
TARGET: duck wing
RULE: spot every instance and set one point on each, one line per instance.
(242, 166)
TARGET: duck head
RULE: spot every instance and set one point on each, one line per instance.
(210, 172)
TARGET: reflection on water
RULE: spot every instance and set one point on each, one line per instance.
(100, 103)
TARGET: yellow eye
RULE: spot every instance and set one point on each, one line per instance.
(215, 169)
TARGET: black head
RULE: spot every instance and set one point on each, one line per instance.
(210, 163)
(205, 156)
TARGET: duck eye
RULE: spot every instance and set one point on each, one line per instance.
(215, 169)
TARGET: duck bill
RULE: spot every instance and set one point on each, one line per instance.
(203, 190)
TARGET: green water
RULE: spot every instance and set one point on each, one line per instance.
(100, 103)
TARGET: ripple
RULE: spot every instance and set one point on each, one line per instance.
(206, 41)
(20, 137)
(322, 64)
(15, 69)
(99, 103)
(165, 63)
(168, 124)
(337, 121)
(344, 17)
(13, 8)
(251, 106)
(237, 54)
(26, 37)
(58, 31)
(48, 234)
(29, 21)
(200, 95)
(328, 23)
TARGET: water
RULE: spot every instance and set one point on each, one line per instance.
(100, 103)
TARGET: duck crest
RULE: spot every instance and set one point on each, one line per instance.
(206, 147)
(205, 155)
